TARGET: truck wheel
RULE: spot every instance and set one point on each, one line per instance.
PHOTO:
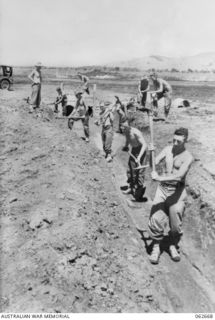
(5, 84)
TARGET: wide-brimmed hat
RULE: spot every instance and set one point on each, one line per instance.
(38, 64)
(107, 103)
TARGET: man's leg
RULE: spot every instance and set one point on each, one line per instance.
(167, 103)
(143, 98)
(131, 173)
(103, 136)
(39, 96)
(64, 110)
(108, 143)
(140, 179)
(34, 95)
(70, 123)
(157, 224)
(56, 108)
(176, 212)
(85, 122)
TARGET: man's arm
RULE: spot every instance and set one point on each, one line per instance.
(31, 75)
(126, 146)
(142, 141)
(179, 175)
(161, 156)
(111, 117)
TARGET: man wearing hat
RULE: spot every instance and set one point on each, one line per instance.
(106, 120)
(85, 81)
(80, 112)
(169, 201)
(162, 89)
(36, 78)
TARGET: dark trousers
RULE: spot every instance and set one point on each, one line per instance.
(107, 139)
(85, 122)
(143, 98)
(136, 178)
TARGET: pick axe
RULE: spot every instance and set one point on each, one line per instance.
(139, 166)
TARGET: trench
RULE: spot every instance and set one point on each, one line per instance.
(187, 287)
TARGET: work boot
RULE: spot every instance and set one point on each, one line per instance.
(155, 254)
(124, 188)
(109, 158)
(174, 253)
(128, 191)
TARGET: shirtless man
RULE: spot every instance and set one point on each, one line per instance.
(61, 99)
(80, 112)
(106, 120)
(135, 178)
(169, 201)
(36, 78)
(85, 81)
(162, 89)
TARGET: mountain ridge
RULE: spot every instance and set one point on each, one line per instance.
(201, 61)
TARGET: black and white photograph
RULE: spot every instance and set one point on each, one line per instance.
(107, 146)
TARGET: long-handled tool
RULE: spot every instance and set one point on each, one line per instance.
(150, 115)
(139, 167)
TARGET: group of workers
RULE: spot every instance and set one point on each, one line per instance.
(169, 201)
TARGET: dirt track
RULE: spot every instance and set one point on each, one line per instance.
(68, 238)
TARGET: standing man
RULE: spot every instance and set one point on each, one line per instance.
(135, 176)
(169, 201)
(162, 89)
(85, 81)
(36, 78)
(80, 112)
(106, 119)
(143, 88)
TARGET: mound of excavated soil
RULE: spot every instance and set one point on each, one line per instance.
(66, 242)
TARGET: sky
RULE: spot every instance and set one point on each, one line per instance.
(93, 32)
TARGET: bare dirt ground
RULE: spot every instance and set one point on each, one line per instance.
(69, 238)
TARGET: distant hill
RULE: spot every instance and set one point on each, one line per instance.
(203, 61)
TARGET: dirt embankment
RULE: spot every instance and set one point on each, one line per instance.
(66, 242)
(68, 239)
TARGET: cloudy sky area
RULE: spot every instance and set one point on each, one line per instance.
(83, 32)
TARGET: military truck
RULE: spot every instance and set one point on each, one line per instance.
(6, 79)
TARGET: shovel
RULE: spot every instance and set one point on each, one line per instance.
(139, 167)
